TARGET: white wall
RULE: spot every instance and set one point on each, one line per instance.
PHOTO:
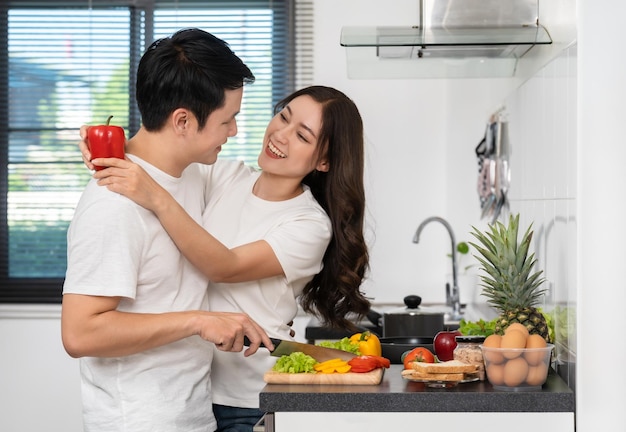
(39, 382)
(602, 231)
(421, 136)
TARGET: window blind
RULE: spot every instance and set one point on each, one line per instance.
(71, 63)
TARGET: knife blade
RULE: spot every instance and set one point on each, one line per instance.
(319, 353)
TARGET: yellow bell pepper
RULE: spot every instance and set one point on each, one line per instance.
(368, 343)
(332, 366)
(343, 369)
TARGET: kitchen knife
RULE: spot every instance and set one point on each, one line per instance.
(319, 353)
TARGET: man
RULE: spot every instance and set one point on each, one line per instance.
(134, 309)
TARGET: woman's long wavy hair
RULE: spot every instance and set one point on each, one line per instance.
(335, 292)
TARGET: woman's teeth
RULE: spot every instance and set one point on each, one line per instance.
(275, 151)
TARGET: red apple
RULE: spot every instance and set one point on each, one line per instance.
(445, 343)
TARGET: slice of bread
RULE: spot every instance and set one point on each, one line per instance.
(433, 376)
(451, 366)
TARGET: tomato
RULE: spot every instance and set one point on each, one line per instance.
(420, 354)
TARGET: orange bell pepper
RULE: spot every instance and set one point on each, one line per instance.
(368, 343)
(332, 366)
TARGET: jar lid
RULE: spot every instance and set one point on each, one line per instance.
(470, 339)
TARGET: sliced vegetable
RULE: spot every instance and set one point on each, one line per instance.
(368, 363)
(297, 362)
(332, 366)
(343, 369)
(368, 343)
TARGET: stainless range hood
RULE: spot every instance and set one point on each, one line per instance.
(453, 39)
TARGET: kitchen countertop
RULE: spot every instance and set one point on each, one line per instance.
(396, 394)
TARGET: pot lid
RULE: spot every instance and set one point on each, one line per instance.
(412, 303)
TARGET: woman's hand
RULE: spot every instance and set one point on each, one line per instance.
(129, 179)
(83, 145)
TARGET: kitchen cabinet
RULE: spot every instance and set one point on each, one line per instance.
(457, 422)
(397, 402)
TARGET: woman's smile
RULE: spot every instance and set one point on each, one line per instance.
(274, 152)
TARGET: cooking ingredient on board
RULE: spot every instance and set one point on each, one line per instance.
(332, 366)
(343, 344)
(368, 343)
(444, 344)
(420, 354)
(368, 363)
(106, 141)
(508, 283)
(296, 362)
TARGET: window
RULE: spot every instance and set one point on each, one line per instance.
(72, 62)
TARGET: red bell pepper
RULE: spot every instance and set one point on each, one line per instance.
(106, 141)
(367, 363)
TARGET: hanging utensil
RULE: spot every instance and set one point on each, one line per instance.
(494, 175)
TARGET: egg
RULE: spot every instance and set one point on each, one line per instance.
(536, 356)
(518, 327)
(537, 374)
(513, 341)
(515, 372)
(495, 374)
(492, 341)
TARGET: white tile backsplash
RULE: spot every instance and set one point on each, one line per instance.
(543, 128)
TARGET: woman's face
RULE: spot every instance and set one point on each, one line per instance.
(291, 140)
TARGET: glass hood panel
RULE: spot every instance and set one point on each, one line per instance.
(440, 36)
(454, 39)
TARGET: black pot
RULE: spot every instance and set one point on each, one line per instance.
(393, 348)
(412, 321)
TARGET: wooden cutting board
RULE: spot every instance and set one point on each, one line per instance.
(351, 378)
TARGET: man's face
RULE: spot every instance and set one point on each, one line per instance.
(220, 125)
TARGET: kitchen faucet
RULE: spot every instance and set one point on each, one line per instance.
(452, 298)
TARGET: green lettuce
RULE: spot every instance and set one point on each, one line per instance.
(477, 328)
(342, 344)
(297, 362)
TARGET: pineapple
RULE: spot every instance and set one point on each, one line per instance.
(508, 284)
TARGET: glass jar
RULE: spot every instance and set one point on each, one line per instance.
(468, 351)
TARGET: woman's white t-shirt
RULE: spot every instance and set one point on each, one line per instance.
(298, 231)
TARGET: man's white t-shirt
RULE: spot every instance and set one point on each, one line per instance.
(118, 248)
(298, 230)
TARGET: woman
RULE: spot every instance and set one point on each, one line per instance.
(291, 232)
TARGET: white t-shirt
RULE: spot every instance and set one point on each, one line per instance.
(298, 230)
(117, 248)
